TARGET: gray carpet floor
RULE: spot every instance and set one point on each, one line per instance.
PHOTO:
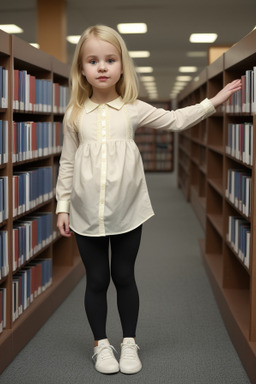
(180, 332)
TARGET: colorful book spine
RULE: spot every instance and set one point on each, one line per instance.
(3, 142)
(4, 198)
(31, 188)
(3, 87)
(2, 309)
(244, 101)
(240, 142)
(36, 139)
(28, 283)
(31, 94)
(239, 237)
(239, 189)
(60, 98)
(31, 235)
(4, 263)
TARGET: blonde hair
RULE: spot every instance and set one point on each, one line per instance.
(81, 90)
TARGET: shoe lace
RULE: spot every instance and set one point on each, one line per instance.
(129, 351)
(104, 352)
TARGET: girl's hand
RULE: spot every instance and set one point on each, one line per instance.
(226, 92)
(63, 224)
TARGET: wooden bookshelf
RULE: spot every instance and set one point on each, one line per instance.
(67, 268)
(156, 146)
(233, 281)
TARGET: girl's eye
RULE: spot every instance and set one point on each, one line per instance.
(111, 61)
(92, 61)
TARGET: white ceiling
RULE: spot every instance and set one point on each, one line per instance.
(170, 24)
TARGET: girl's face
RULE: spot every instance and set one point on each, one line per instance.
(101, 65)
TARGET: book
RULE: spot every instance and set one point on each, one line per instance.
(28, 283)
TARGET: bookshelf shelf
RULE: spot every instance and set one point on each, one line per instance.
(230, 149)
(62, 272)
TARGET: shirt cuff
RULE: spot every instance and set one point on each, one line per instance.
(63, 206)
(208, 107)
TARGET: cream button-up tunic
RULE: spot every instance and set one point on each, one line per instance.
(101, 181)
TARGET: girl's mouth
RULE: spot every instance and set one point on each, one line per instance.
(102, 78)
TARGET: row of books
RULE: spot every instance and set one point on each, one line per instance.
(4, 264)
(29, 283)
(3, 87)
(30, 235)
(240, 142)
(31, 188)
(3, 142)
(36, 139)
(2, 309)
(31, 94)
(163, 137)
(60, 98)
(146, 147)
(245, 99)
(239, 189)
(239, 235)
(4, 198)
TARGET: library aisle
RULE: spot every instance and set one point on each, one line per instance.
(181, 334)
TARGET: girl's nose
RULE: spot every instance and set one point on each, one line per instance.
(102, 66)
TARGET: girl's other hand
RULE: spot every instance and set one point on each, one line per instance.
(226, 92)
(63, 224)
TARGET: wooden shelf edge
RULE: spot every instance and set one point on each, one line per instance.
(245, 349)
(35, 316)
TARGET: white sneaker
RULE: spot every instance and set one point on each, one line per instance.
(129, 360)
(105, 361)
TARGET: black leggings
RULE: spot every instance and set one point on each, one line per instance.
(94, 252)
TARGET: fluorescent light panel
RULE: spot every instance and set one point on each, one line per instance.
(35, 45)
(11, 28)
(139, 54)
(203, 37)
(183, 78)
(132, 28)
(73, 39)
(187, 69)
(144, 69)
(146, 79)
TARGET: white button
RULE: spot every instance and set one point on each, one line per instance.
(103, 132)
(103, 123)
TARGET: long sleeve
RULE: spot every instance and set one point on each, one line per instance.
(177, 120)
(66, 170)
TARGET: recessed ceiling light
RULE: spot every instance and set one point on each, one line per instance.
(187, 69)
(147, 78)
(144, 69)
(35, 45)
(203, 37)
(139, 54)
(132, 28)
(183, 78)
(11, 28)
(73, 39)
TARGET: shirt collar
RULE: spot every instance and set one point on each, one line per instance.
(91, 106)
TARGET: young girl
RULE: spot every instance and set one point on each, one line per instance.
(101, 189)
